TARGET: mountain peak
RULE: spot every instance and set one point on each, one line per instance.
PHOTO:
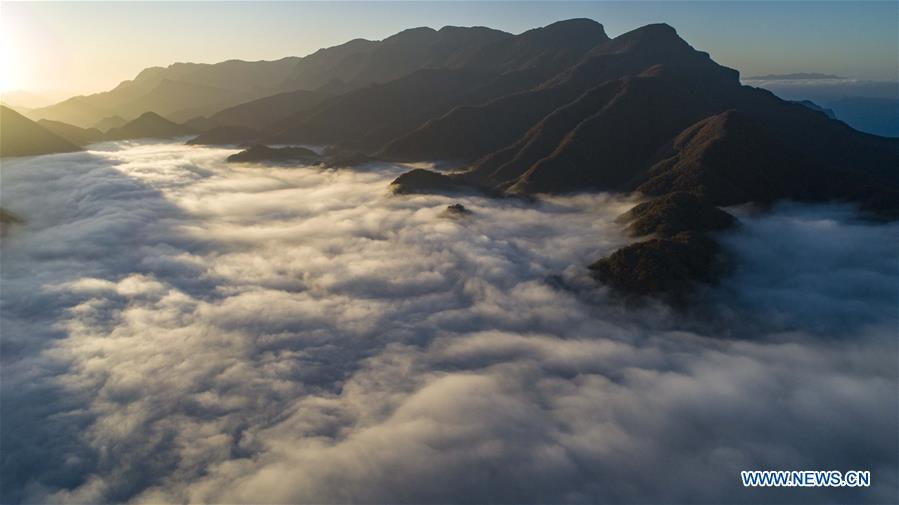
(151, 116)
(570, 29)
(575, 24)
(655, 37)
(657, 28)
(150, 125)
(453, 28)
(411, 34)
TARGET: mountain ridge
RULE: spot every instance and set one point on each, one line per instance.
(148, 125)
(558, 109)
(20, 136)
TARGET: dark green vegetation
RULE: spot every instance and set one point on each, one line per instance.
(557, 109)
(260, 153)
(679, 253)
(675, 213)
(667, 268)
(456, 211)
(421, 181)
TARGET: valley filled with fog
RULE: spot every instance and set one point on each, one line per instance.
(180, 329)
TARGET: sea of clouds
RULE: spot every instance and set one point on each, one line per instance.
(175, 329)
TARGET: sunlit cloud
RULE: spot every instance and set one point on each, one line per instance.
(177, 329)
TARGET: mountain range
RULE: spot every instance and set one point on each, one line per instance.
(558, 109)
(19, 136)
(186, 90)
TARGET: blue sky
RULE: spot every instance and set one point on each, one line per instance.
(83, 47)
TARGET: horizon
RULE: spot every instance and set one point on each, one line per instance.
(72, 46)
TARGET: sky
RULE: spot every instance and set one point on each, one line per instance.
(80, 47)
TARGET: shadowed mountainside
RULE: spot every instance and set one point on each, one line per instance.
(373, 116)
(224, 135)
(148, 125)
(180, 91)
(260, 153)
(74, 134)
(23, 137)
(185, 90)
(109, 122)
(549, 112)
(268, 110)
(20, 136)
(647, 112)
(556, 109)
(470, 132)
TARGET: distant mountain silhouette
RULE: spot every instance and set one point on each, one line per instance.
(555, 47)
(874, 115)
(224, 135)
(20, 136)
(266, 111)
(868, 106)
(185, 90)
(148, 125)
(812, 105)
(181, 101)
(199, 124)
(109, 122)
(799, 76)
(74, 134)
(359, 62)
(181, 90)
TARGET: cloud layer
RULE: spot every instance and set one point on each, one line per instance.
(175, 329)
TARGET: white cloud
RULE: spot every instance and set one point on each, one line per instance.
(177, 329)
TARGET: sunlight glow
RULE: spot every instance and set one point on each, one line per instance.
(10, 62)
